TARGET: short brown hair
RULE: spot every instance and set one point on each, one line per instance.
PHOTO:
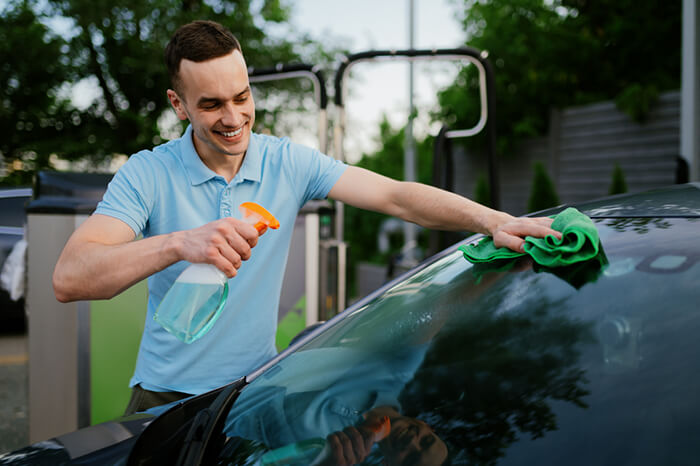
(197, 41)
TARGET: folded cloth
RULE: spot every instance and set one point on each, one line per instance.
(579, 242)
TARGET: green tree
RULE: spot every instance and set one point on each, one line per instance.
(482, 191)
(118, 45)
(618, 185)
(553, 54)
(33, 115)
(361, 226)
(542, 195)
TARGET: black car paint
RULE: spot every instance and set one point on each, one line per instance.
(166, 432)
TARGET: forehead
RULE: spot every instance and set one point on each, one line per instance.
(221, 77)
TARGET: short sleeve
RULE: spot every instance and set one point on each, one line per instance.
(316, 171)
(129, 196)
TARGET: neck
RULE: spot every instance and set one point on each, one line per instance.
(222, 164)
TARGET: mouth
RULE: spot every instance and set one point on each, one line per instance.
(230, 134)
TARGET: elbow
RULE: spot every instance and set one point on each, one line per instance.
(68, 288)
(60, 288)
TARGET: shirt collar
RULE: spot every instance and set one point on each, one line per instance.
(252, 164)
(198, 172)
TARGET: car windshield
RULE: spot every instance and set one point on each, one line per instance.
(503, 363)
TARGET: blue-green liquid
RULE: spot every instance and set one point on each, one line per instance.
(296, 454)
(189, 310)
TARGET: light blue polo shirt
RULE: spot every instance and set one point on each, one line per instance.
(170, 189)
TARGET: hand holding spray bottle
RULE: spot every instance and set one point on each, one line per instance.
(316, 451)
(194, 302)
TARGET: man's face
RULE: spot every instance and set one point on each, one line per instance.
(412, 442)
(215, 97)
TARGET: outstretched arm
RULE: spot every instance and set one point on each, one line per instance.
(101, 258)
(434, 208)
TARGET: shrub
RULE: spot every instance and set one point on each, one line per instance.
(542, 195)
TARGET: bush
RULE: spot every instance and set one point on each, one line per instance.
(542, 195)
(618, 185)
(482, 191)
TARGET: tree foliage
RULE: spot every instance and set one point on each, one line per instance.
(117, 45)
(618, 185)
(33, 116)
(542, 193)
(558, 53)
(364, 225)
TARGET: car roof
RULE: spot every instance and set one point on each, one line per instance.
(681, 200)
(15, 192)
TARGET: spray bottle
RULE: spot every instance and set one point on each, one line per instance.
(194, 302)
(309, 452)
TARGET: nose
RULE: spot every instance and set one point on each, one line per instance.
(231, 116)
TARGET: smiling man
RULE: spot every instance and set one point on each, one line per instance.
(182, 197)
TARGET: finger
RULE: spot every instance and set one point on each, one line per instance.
(336, 448)
(248, 232)
(368, 438)
(359, 446)
(546, 221)
(238, 244)
(527, 228)
(348, 451)
(236, 240)
(506, 240)
(214, 256)
(231, 256)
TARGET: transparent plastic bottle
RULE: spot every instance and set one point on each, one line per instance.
(195, 300)
(192, 305)
(309, 452)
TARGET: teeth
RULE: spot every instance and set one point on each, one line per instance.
(230, 134)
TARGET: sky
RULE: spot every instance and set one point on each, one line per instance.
(374, 89)
(382, 88)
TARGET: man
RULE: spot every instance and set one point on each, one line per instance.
(338, 393)
(182, 196)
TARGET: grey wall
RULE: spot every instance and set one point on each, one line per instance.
(583, 145)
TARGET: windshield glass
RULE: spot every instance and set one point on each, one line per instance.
(502, 363)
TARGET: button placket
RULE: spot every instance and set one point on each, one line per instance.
(225, 202)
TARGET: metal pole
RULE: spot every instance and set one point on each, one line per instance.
(690, 90)
(410, 146)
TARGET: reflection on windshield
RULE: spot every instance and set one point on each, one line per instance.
(507, 365)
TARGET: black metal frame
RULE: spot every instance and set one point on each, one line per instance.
(473, 55)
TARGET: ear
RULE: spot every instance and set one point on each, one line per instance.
(177, 104)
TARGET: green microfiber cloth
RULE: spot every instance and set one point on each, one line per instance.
(579, 242)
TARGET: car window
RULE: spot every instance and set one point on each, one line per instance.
(502, 363)
(12, 212)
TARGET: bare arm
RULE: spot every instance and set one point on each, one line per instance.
(434, 208)
(102, 258)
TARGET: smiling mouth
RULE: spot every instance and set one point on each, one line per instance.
(231, 134)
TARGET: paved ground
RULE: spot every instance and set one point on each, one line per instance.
(14, 426)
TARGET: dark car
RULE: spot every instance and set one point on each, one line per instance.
(507, 363)
(12, 221)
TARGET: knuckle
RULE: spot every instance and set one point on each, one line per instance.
(211, 252)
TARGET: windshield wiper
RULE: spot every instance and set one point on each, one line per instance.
(205, 437)
(182, 434)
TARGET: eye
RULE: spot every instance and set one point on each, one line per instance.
(209, 105)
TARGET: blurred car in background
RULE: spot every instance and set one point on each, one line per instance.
(506, 363)
(13, 219)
